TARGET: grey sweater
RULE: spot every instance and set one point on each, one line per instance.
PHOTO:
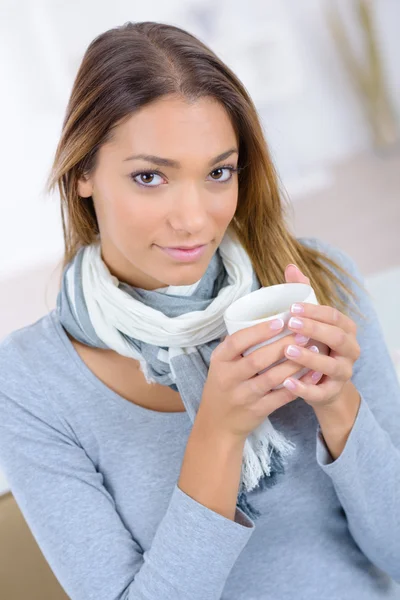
(96, 479)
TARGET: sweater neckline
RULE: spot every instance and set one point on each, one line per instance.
(102, 387)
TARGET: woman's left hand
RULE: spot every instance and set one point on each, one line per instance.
(332, 328)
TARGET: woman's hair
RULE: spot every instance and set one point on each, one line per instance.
(130, 66)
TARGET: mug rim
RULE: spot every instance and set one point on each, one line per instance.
(260, 291)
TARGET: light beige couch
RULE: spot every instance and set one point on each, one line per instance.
(24, 573)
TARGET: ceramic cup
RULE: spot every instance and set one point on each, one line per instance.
(265, 304)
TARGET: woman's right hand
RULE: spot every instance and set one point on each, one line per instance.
(236, 398)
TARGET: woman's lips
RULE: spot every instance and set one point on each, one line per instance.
(185, 255)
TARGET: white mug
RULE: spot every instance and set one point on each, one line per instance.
(266, 304)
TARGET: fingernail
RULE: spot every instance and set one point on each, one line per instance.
(295, 323)
(276, 324)
(314, 348)
(289, 384)
(297, 308)
(316, 376)
(301, 339)
(293, 351)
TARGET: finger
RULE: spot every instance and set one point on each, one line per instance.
(294, 275)
(269, 379)
(237, 343)
(325, 314)
(313, 378)
(334, 337)
(264, 357)
(314, 392)
(337, 368)
(273, 400)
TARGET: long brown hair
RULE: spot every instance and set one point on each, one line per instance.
(129, 66)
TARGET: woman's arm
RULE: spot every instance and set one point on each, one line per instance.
(366, 474)
(75, 520)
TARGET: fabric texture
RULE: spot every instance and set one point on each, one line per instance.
(172, 334)
(96, 479)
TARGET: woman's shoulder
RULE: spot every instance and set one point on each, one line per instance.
(330, 250)
(25, 344)
(340, 256)
(26, 355)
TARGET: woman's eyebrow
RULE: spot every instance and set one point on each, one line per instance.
(167, 162)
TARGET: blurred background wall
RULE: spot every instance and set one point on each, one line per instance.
(339, 163)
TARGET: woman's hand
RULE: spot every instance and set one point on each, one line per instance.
(337, 331)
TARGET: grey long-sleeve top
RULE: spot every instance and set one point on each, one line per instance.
(96, 479)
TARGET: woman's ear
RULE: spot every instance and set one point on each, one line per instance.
(85, 187)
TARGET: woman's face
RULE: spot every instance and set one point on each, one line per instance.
(145, 206)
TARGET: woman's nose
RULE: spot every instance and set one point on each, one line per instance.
(188, 212)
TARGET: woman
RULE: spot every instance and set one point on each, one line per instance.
(128, 420)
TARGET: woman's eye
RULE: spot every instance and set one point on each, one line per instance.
(146, 179)
(230, 171)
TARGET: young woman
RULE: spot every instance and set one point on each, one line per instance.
(148, 456)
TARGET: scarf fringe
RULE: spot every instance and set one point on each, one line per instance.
(246, 507)
(258, 449)
(267, 481)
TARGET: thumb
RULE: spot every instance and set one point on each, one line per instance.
(294, 275)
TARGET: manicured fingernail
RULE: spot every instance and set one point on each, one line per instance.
(301, 339)
(297, 308)
(276, 324)
(293, 351)
(296, 323)
(316, 376)
(314, 348)
(289, 384)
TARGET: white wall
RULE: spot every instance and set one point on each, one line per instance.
(309, 112)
